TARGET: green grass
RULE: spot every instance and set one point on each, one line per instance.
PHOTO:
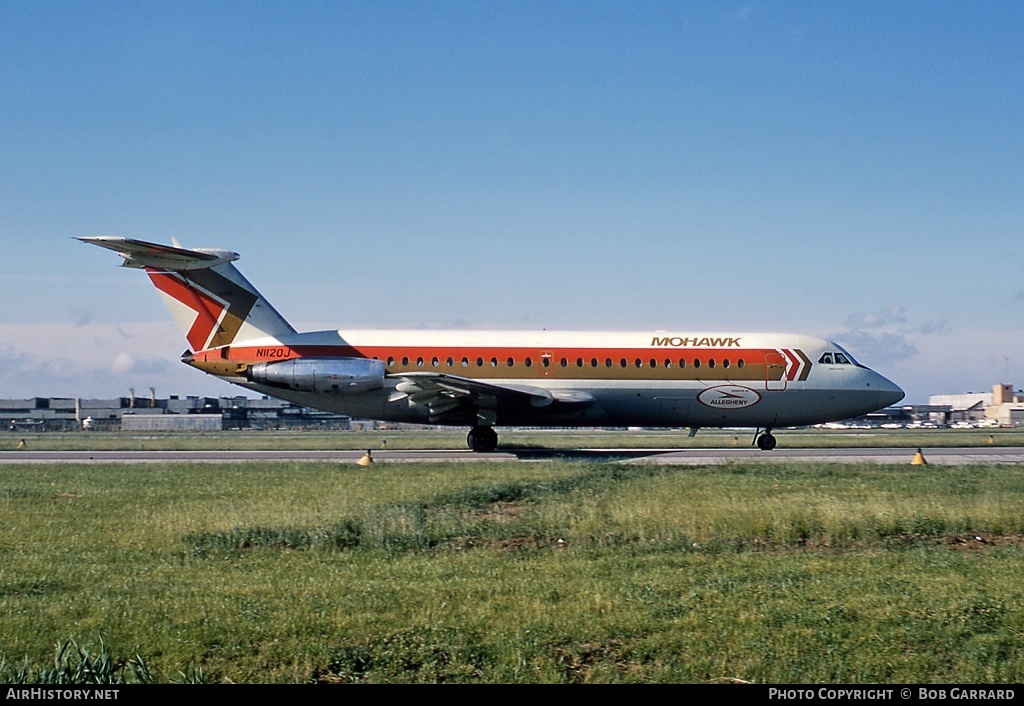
(514, 572)
(455, 438)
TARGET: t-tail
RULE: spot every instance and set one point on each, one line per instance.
(212, 302)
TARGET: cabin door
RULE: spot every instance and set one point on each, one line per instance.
(774, 371)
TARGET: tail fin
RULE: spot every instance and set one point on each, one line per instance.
(211, 301)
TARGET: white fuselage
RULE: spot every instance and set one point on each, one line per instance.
(670, 379)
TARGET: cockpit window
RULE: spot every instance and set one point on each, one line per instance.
(836, 358)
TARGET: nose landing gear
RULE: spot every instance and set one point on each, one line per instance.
(482, 439)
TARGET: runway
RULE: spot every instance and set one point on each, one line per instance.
(940, 456)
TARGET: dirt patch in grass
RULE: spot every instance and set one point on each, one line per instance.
(524, 543)
(580, 661)
(983, 542)
(971, 542)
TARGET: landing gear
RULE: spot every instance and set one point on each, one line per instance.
(766, 442)
(482, 439)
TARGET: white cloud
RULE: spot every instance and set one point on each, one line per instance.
(123, 362)
(961, 361)
(931, 358)
(879, 348)
(893, 316)
(97, 360)
(886, 336)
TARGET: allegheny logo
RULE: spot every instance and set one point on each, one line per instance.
(695, 341)
(729, 397)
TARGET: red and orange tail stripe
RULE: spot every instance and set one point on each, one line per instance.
(221, 306)
(208, 310)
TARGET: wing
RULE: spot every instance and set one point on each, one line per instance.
(450, 397)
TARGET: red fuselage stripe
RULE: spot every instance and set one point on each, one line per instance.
(250, 354)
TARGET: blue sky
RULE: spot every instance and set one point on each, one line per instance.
(847, 169)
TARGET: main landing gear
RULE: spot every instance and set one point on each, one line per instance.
(482, 439)
(765, 441)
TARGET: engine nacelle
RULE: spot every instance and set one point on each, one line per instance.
(339, 376)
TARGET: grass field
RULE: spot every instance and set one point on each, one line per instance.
(516, 572)
(509, 439)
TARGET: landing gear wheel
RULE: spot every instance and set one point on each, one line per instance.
(482, 439)
(766, 442)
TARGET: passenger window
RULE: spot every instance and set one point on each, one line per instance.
(711, 363)
(511, 362)
(405, 361)
(826, 358)
(528, 362)
(696, 362)
(451, 362)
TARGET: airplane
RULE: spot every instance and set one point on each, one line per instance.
(488, 379)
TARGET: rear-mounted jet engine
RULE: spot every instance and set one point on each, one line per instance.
(343, 376)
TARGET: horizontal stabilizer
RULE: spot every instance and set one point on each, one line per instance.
(140, 254)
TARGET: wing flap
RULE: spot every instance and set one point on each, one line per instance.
(449, 395)
(425, 384)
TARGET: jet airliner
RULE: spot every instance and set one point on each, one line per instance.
(488, 379)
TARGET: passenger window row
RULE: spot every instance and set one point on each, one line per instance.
(546, 362)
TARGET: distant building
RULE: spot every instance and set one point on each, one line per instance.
(1007, 406)
(1002, 405)
(172, 422)
(152, 414)
(966, 400)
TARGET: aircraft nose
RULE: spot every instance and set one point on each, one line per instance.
(889, 393)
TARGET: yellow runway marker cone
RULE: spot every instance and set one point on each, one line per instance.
(366, 460)
(919, 459)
